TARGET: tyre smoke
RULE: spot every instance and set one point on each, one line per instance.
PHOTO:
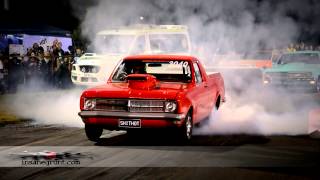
(55, 107)
(260, 112)
(216, 26)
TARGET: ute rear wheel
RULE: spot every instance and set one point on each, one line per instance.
(93, 132)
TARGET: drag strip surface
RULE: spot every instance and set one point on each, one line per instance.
(116, 149)
(118, 156)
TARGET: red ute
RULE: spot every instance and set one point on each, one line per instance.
(152, 91)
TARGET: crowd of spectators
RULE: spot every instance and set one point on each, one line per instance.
(37, 68)
(52, 68)
(302, 47)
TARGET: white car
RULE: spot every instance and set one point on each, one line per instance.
(92, 69)
(114, 44)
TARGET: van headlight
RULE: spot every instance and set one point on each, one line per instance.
(266, 78)
(312, 82)
(89, 104)
(170, 106)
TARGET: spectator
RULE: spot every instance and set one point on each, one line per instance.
(37, 49)
(2, 87)
(310, 48)
(15, 73)
(77, 55)
(58, 51)
(291, 48)
(5, 62)
(45, 66)
(297, 47)
(62, 76)
(29, 51)
(302, 46)
(31, 69)
(54, 45)
(70, 61)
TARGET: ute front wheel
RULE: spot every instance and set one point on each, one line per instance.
(186, 130)
(93, 132)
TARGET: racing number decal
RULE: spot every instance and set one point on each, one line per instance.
(183, 63)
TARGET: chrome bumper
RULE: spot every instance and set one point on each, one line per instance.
(84, 114)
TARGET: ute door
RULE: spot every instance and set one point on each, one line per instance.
(201, 95)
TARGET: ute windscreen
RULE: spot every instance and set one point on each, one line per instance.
(167, 71)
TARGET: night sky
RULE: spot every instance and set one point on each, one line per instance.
(56, 13)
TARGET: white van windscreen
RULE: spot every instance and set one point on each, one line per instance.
(168, 43)
(113, 44)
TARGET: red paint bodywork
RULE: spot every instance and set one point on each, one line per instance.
(200, 98)
(260, 63)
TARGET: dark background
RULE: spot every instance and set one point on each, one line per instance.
(56, 13)
(62, 14)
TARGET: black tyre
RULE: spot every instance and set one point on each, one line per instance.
(93, 132)
(186, 130)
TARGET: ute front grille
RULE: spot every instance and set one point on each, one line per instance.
(130, 105)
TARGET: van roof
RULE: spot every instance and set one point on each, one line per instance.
(161, 57)
(144, 28)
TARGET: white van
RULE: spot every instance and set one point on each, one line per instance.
(114, 44)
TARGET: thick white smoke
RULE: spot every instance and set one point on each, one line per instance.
(215, 25)
(56, 107)
(218, 25)
(261, 112)
(221, 26)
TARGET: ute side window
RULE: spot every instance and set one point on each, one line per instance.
(197, 73)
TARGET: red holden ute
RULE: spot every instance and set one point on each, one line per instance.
(152, 91)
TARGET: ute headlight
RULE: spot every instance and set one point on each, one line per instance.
(170, 106)
(89, 104)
